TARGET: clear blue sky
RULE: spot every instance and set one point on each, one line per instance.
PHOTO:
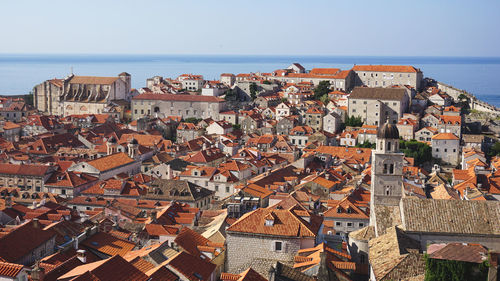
(287, 27)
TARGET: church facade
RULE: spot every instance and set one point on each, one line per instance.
(80, 94)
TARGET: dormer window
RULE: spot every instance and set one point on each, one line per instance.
(339, 210)
(349, 210)
(269, 222)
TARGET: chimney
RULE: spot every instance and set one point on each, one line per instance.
(38, 273)
(327, 176)
(153, 216)
(8, 202)
(82, 255)
(36, 223)
(75, 242)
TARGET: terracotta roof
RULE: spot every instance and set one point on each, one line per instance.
(110, 162)
(192, 267)
(112, 269)
(442, 216)
(247, 275)
(396, 94)
(324, 71)
(92, 80)
(395, 256)
(385, 68)
(108, 244)
(23, 240)
(474, 253)
(10, 269)
(179, 97)
(286, 223)
(445, 136)
(24, 169)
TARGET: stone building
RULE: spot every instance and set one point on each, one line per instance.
(446, 146)
(376, 105)
(29, 177)
(266, 236)
(388, 75)
(80, 94)
(186, 106)
(314, 118)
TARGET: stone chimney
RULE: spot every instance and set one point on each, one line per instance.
(38, 273)
(35, 223)
(153, 216)
(75, 242)
(82, 255)
(8, 202)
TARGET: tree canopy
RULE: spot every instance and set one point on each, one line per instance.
(420, 151)
(253, 90)
(322, 89)
(353, 121)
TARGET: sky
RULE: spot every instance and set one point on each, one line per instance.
(253, 27)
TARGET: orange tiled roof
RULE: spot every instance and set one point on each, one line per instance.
(286, 223)
(445, 136)
(108, 244)
(112, 161)
(385, 68)
(10, 269)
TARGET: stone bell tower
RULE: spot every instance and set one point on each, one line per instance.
(387, 169)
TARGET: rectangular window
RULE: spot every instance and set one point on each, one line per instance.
(349, 224)
(227, 189)
(278, 246)
(338, 223)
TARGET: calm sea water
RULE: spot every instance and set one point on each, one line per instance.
(19, 73)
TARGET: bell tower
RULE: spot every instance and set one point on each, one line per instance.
(387, 169)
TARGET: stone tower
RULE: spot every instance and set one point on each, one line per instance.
(387, 169)
(133, 146)
(111, 145)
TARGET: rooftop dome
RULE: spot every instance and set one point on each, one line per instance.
(388, 131)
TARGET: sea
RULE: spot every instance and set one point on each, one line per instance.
(20, 72)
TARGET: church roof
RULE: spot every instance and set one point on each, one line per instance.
(451, 216)
(388, 131)
(92, 80)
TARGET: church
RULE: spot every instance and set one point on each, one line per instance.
(81, 94)
(401, 227)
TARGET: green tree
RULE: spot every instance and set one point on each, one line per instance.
(231, 94)
(253, 91)
(494, 150)
(366, 144)
(322, 89)
(236, 126)
(285, 100)
(28, 99)
(267, 82)
(420, 151)
(192, 120)
(353, 121)
(451, 270)
(324, 99)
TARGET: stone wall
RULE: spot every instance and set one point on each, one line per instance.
(245, 250)
(474, 102)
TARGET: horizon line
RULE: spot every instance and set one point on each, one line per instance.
(240, 55)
